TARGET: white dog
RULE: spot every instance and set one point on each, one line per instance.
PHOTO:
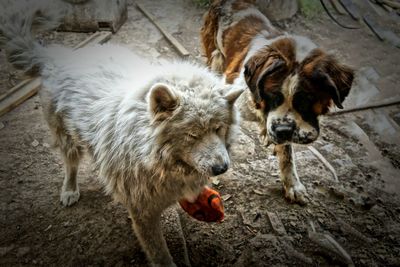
(155, 132)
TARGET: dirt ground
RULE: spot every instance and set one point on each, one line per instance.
(361, 211)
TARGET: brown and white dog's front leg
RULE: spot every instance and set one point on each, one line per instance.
(294, 189)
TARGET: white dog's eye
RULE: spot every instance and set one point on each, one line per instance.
(192, 135)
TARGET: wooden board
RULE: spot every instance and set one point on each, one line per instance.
(351, 9)
(181, 49)
(339, 9)
(276, 223)
(381, 33)
(21, 92)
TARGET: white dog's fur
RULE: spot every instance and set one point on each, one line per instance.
(155, 132)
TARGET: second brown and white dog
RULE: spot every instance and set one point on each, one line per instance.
(291, 82)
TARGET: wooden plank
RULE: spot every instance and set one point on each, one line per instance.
(383, 125)
(181, 49)
(377, 9)
(351, 9)
(24, 92)
(28, 88)
(391, 3)
(381, 33)
(14, 89)
(326, 243)
(87, 40)
(384, 103)
(276, 223)
(96, 38)
(336, 5)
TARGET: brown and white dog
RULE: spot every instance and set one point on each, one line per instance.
(291, 82)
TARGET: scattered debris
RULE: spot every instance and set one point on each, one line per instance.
(276, 223)
(215, 181)
(259, 192)
(48, 228)
(293, 253)
(324, 161)
(1, 125)
(329, 246)
(258, 216)
(337, 192)
(226, 197)
(345, 227)
(22, 251)
(5, 250)
(35, 143)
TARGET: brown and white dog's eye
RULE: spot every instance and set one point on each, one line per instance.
(303, 102)
(273, 100)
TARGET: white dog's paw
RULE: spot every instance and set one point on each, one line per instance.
(68, 198)
(172, 264)
(296, 193)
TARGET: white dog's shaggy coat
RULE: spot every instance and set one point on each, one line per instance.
(155, 132)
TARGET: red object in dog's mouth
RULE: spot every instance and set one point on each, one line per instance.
(207, 207)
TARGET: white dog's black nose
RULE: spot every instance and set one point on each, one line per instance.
(219, 169)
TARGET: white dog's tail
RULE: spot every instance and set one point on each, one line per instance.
(18, 22)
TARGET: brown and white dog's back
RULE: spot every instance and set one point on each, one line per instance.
(291, 81)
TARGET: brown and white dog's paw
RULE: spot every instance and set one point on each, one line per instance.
(296, 193)
(68, 198)
(163, 265)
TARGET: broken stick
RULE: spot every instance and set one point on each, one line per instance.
(181, 49)
(324, 161)
(20, 93)
(276, 223)
(326, 243)
(390, 102)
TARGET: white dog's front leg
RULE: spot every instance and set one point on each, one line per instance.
(294, 189)
(147, 227)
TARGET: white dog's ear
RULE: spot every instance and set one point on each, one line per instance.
(162, 100)
(233, 95)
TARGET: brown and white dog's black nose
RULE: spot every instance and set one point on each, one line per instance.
(284, 132)
(219, 169)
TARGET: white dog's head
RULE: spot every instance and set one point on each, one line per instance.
(194, 122)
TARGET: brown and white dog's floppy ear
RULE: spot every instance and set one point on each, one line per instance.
(326, 73)
(257, 70)
(162, 101)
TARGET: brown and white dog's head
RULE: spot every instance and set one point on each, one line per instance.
(292, 90)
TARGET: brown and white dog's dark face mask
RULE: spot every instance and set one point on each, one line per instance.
(290, 95)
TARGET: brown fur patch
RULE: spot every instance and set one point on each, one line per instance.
(236, 41)
(209, 30)
(242, 4)
(319, 63)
